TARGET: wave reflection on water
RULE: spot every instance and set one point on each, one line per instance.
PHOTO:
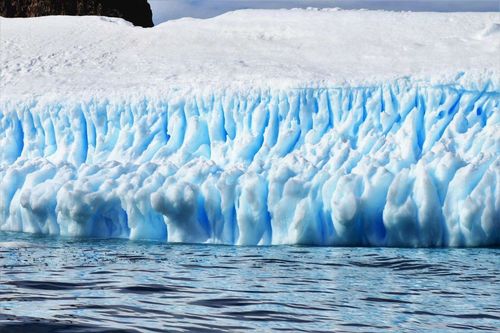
(61, 285)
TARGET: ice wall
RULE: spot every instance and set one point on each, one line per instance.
(392, 165)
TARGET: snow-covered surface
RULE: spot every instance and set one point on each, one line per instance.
(251, 49)
(256, 127)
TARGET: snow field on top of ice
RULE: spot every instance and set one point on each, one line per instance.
(249, 49)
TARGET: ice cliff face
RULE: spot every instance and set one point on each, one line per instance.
(391, 165)
(201, 141)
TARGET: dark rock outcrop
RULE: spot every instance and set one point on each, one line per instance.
(137, 12)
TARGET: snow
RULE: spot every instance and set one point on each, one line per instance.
(247, 49)
(255, 127)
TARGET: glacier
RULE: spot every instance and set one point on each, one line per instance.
(396, 161)
(392, 165)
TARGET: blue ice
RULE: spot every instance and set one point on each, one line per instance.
(390, 165)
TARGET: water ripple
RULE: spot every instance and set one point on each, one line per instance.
(58, 285)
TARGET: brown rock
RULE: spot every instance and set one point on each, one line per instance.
(137, 12)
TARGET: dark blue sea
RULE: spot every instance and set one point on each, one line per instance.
(68, 285)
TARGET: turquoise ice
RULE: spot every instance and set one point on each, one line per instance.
(390, 165)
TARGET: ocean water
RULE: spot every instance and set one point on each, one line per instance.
(74, 285)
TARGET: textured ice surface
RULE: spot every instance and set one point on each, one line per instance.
(397, 162)
(387, 165)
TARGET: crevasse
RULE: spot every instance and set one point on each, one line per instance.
(390, 165)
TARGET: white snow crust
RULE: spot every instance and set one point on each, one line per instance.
(254, 128)
(247, 49)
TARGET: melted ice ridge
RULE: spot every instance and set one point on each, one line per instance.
(388, 165)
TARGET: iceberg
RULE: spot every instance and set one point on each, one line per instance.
(265, 156)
